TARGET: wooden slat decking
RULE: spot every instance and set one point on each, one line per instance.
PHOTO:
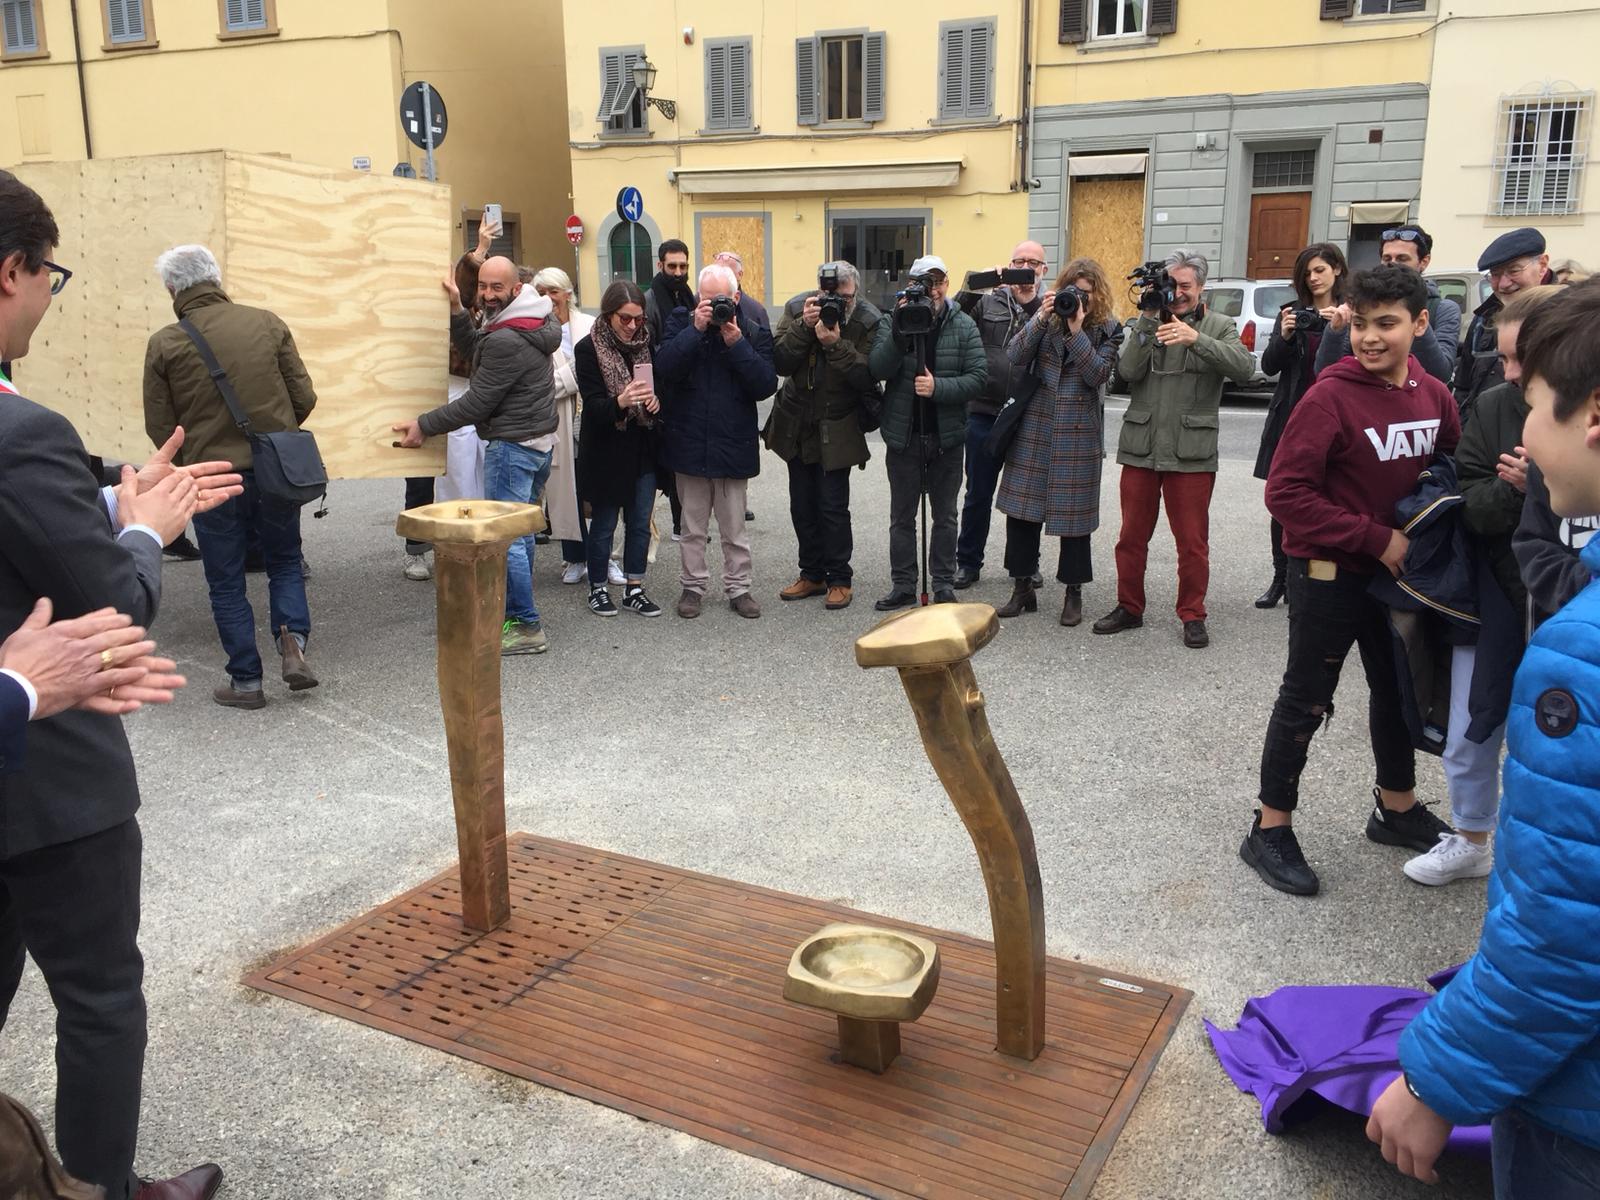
(659, 992)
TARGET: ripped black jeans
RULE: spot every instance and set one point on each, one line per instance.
(1327, 617)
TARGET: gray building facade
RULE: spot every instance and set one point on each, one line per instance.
(1236, 177)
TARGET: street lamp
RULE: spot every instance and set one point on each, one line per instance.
(644, 78)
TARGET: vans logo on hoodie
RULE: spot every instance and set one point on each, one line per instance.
(1405, 439)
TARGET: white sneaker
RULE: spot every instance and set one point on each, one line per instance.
(614, 573)
(1452, 857)
(419, 567)
(574, 572)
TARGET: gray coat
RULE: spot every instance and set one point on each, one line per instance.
(513, 394)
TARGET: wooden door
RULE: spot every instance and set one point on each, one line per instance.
(1279, 223)
(1105, 222)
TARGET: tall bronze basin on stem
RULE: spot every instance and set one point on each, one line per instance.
(469, 552)
(932, 648)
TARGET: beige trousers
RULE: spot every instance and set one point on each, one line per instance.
(726, 498)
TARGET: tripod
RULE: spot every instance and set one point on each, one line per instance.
(919, 347)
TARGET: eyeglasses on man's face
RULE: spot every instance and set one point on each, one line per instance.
(58, 277)
(1035, 263)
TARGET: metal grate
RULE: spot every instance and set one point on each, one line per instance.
(1283, 168)
(1540, 155)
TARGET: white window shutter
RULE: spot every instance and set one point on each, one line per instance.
(872, 77)
(807, 81)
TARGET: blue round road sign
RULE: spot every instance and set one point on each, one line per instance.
(630, 204)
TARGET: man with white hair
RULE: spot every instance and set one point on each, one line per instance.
(749, 309)
(257, 352)
(1176, 360)
(718, 366)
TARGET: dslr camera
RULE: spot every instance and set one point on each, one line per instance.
(1157, 291)
(724, 309)
(830, 309)
(1308, 319)
(1068, 301)
(915, 316)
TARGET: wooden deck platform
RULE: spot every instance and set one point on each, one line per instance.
(659, 992)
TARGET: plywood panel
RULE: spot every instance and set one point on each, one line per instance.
(1106, 223)
(745, 235)
(351, 262)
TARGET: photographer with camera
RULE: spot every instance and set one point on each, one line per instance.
(1320, 274)
(1176, 361)
(1052, 469)
(822, 344)
(931, 357)
(718, 367)
(1000, 313)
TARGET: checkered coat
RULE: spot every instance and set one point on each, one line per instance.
(1052, 471)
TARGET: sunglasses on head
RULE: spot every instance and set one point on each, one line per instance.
(1401, 235)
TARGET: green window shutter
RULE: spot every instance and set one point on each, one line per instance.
(808, 81)
(1074, 20)
(953, 70)
(872, 80)
(717, 85)
(1337, 10)
(1163, 17)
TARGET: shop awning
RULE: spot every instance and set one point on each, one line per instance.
(1380, 212)
(1082, 166)
(825, 178)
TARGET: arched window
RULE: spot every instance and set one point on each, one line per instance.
(630, 253)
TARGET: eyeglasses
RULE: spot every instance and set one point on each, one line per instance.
(1510, 268)
(58, 277)
(631, 322)
(1035, 263)
(1401, 235)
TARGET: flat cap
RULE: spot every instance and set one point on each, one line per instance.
(1519, 243)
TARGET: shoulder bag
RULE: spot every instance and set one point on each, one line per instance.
(287, 465)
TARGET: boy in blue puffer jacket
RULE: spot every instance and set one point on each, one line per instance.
(1516, 1035)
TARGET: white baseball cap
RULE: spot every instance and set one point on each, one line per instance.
(929, 262)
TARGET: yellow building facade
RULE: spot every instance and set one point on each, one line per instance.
(1520, 98)
(1116, 128)
(799, 135)
(316, 80)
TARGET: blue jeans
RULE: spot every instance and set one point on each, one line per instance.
(223, 534)
(636, 541)
(983, 473)
(517, 473)
(1535, 1163)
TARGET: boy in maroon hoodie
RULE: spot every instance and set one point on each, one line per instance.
(1353, 447)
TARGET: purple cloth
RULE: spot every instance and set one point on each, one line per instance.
(1339, 1043)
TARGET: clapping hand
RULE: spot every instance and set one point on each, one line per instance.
(165, 508)
(217, 480)
(71, 663)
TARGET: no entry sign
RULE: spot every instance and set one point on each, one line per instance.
(574, 229)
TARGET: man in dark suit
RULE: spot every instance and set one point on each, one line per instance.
(69, 844)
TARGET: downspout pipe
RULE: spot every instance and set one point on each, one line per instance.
(83, 90)
(1025, 116)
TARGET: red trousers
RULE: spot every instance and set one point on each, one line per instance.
(1188, 496)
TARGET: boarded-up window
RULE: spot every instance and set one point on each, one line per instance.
(21, 29)
(125, 20)
(728, 84)
(966, 69)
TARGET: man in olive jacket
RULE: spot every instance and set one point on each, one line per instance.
(931, 380)
(815, 427)
(1168, 448)
(257, 351)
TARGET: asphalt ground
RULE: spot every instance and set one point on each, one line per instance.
(755, 750)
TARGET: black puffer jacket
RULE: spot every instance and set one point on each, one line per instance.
(513, 394)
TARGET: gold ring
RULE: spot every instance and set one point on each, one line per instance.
(106, 660)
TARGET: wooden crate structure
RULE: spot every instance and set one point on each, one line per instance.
(351, 261)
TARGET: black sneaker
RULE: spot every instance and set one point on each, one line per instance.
(1275, 854)
(181, 549)
(1416, 828)
(634, 600)
(600, 603)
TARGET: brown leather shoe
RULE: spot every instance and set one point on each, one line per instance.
(745, 605)
(1072, 605)
(296, 673)
(27, 1165)
(689, 605)
(200, 1183)
(1117, 620)
(838, 596)
(803, 589)
(230, 697)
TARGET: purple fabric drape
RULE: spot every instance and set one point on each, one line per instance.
(1339, 1043)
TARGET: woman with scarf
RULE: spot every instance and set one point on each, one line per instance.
(617, 445)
